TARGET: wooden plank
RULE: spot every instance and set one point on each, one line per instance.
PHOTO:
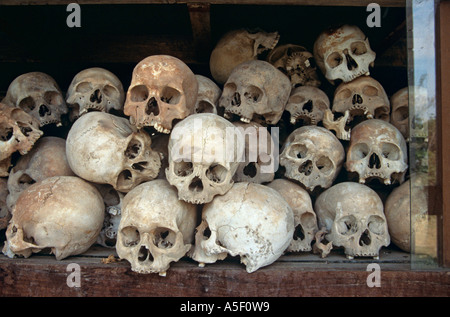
(201, 29)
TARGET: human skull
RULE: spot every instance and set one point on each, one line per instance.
(39, 95)
(297, 63)
(256, 91)
(61, 213)
(106, 149)
(313, 156)
(4, 211)
(46, 159)
(305, 220)
(307, 104)
(353, 215)
(163, 89)
(343, 53)
(203, 157)
(18, 132)
(400, 111)
(260, 153)
(251, 220)
(156, 227)
(236, 47)
(95, 89)
(208, 95)
(377, 150)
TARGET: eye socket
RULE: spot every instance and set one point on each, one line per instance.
(344, 94)
(204, 107)
(325, 165)
(111, 92)
(390, 151)
(27, 104)
(359, 151)
(164, 238)
(358, 48)
(229, 89)
(84, 87)
(370, 91)
(217, 173)
(170, 95)
(298, 151)
(130, 236)
(376, 224)
(334, 60)
(139, 93)
(133, 149)
(253, 94)
(53, 98)
(347, 225)
(400, 114)
(183, 168)
(297, 99)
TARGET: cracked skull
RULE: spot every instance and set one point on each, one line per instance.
(255, 91)
(353, 215)
(95, 89)
(106, 149)
(162, 89)
(252, 221)
(39, 95)
(156, 227)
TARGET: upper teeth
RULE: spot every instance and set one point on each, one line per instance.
(245, 120)
(158, 127)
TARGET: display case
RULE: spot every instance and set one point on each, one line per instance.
(412, 52)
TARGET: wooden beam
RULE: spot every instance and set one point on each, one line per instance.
(201, 29)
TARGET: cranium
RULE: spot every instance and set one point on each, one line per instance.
(95, 89)
(208, 95)
(39, 95)
(251, 220)
(236, 47)
(46, 159)
(313, 156)
(353, 215)
(400, 111)
(297, 63)
(203, 157)
(106, 149)
(308, 105)
(377, 150)
(163, 89)
(305, 221)
(343, 53)
(4, 211)
(18, 132)
(256, 91)
(61, 213)
(156, 228)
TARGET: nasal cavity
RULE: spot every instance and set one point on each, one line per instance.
(374, 161)
(308, 106)
(236, 99)
(299, 234)
(196, 185)
(357, 99)
(96, 96)
(144, 254)
(44, 110)
(351, 63)
(365, 238)
(152, 107)
(306, 168)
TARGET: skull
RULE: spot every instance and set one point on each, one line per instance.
(203, 157)
(18, 132)
(377, 150)
(236, 47)
(39, 95)
(95, 89)
(343, 53)
(313, 156)
(208, 95)
(251, 220)
(61, 213)
(400, 111)
(162, 89)
(353, 215)
(259, 154)
(297, 63)
(156, 228)
(305, 221)
(106, 149)
(46, 159)
(307, 104)
(256, 91)
(4, 211)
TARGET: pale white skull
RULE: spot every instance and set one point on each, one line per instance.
(305, 220)
(18, 133)
(251, 220)
(156, 227)
(343, 53)
(260, 152)
(297, 63)
(400, 111)
(208, 95)
(162, 89)
(236, 47)
(4, 211)
(307, 105)
(377, 151)
(203, 157)
(95, 89)
(39, 95)
(46, 159)
(313, 156)
(61, 213)
(256, 91)
(353, 215)
(106, 149)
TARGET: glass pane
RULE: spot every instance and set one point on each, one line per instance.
(422, 131)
